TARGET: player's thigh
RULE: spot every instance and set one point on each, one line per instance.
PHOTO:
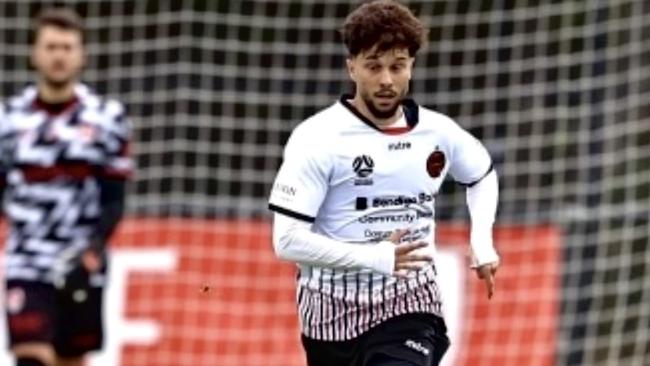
(326, 353)
(385, 360)
(80, 317)
(408, 340)
(30, 310)
(73, 361)
(44, 352)
(413, 351)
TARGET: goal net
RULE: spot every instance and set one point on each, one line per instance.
(557, 90)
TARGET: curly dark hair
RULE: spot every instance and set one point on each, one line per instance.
(386, 24)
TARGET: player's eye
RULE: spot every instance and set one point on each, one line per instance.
(373, 67)
(398, 67)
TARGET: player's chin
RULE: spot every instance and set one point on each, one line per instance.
(384, 103)
(383, 113)
(386, 107)
(59, 78)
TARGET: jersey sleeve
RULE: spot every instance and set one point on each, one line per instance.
(118, 163)
(4, 147)
(302, 181)
(470, 159)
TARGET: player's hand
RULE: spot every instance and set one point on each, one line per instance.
(487, 272)
(73, 268)
(406, 256)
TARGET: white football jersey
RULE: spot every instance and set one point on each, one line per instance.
(358, 184)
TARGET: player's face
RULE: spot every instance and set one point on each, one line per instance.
(58, 55)
(382, 79)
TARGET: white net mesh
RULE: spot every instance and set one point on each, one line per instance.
(557, 90)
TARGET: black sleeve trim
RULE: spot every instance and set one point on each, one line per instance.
(290, 213)
(472, 184)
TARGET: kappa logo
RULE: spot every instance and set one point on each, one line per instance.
(363, 166)
(417, 346)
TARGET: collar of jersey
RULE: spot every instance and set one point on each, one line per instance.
(55, 108)
(411, 114)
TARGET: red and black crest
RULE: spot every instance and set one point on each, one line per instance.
(436, 163)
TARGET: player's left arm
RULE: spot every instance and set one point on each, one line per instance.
(482, 198)
(112, 179)
(471, 165)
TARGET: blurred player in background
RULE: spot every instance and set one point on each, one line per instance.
(64, 163)
(354, 205)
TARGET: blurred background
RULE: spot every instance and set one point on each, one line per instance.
(557, 90)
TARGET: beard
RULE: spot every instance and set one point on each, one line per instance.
(56, 76)
(382, 114)
(58, 83)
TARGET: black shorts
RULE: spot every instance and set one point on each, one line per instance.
(408, 340)
(70, 321)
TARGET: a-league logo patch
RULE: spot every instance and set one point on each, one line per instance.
(436, 163)
(363, 166)
(15, 300)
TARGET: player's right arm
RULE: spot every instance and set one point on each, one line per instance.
(294, 241)
(4, 158)
(297, 194)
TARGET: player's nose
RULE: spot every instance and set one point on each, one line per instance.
(385, 78)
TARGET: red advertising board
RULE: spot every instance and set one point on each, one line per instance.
(208, 292)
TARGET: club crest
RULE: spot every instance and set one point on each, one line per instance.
(436, 163)
(15, 299)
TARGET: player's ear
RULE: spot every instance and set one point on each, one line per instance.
(350, 63)
(84, 57)
(32, 56)
(410, 62)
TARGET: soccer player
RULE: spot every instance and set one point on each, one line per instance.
(64, 161)
(354, 201)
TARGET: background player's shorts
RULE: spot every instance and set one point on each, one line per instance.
(68, 320)
(410, 339)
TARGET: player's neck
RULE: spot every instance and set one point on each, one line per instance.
(381, 123)
(55, 94)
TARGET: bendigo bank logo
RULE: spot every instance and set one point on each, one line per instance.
(363, 166)
(436, 163)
